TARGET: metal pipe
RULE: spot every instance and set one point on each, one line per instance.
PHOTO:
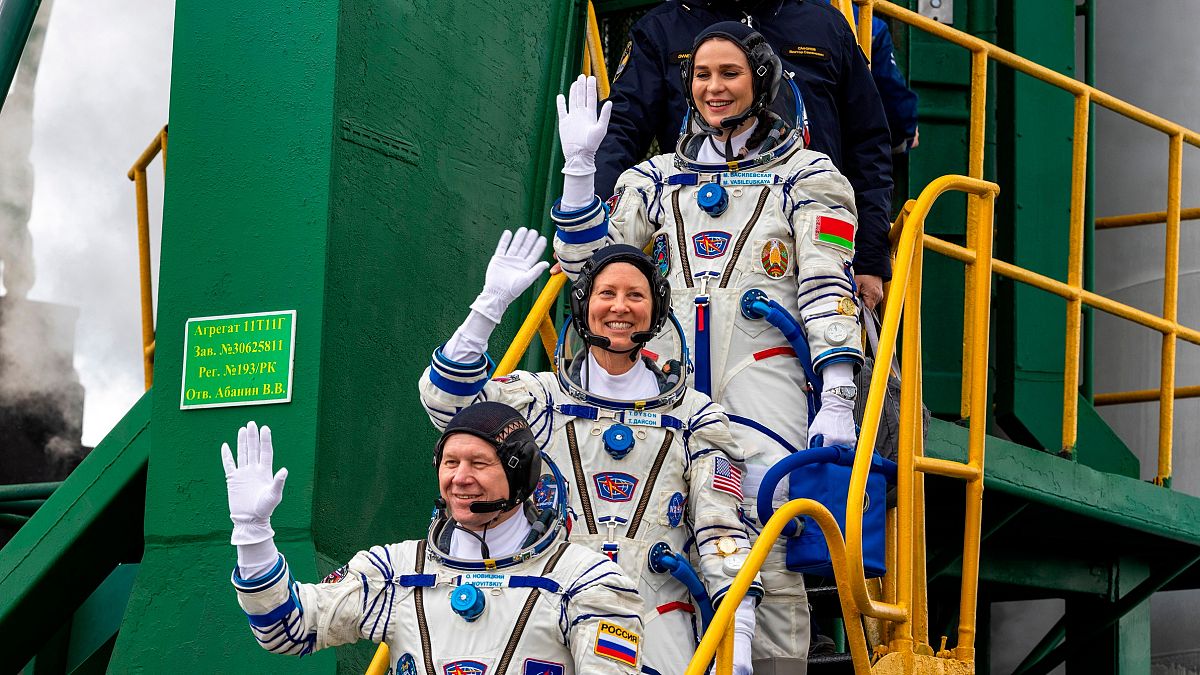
(943, 467)
(13, 519)
(908, 240)
(533, 321)
(22, 506)
(723, 617)
(381, 662)
(595, 52)
(1074, 277)
(28, 491)
(1112, 222)
(1166, 383)
(1040, 72)
(1064, 291)
(973, 520)
(1144, 395)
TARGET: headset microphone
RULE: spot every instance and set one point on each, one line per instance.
(489, 507)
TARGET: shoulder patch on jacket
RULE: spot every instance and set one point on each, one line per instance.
(680, 57)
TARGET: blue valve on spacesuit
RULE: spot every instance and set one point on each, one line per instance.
(712, 199)
(662, 559)
(467, 601)
(618, 440)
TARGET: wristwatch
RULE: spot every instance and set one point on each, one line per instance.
(847, 393)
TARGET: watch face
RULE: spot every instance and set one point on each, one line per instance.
(848, 393)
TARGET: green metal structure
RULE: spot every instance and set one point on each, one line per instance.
(348, 159)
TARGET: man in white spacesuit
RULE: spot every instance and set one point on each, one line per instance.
(741, 211)
(652, 468)
(495, 588)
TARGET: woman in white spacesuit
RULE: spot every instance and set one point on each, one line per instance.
(494, 588)
(741, 213)
(653, 471)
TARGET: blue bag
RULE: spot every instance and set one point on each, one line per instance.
(823, 475)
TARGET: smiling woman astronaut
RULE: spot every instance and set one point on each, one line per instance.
(654, 473)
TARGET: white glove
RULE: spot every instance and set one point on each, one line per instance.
(835, 421)
(579, 127)
(512, 270)
(743, 634)
(253, 492)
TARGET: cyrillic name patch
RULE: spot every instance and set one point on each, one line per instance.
(807, 51)
(617, 643)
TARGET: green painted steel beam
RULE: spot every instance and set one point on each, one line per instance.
(89, 525)
(1084, 635)
(1073, 488)
(95, 624)
(16, 20)
(27, 491)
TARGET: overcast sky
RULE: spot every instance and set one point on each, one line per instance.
(102, 94)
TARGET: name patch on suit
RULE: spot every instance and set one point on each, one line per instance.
(614, 486)
(710, 244)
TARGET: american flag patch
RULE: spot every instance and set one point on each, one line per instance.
(727, 477)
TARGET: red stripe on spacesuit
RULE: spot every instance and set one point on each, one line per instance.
(700, 318)
(677, 605)
(774, 351)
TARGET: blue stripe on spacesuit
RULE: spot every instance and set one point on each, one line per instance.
(587, 236)
(458, 368)
(839, 285)
(455, 388)
(838, 355)
(418, 580)
(822, 315)
(746, 421)
(262, 581)
(807, 304)
(278, 614)
(575, 217)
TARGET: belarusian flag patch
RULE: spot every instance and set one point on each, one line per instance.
(835, 233)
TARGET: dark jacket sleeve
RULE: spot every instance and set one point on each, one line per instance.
(899, 102)
(867, 159)
(639, 98)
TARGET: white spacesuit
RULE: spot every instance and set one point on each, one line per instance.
(775, 223)
(655, 466)
(532, 605)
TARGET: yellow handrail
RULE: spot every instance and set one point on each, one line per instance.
(1085, 96)
(593, 54)
(137, 174)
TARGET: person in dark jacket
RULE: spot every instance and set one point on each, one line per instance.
(899, 102)
(816, 43)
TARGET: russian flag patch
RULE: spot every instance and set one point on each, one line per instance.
(835, 233)
(618, 644)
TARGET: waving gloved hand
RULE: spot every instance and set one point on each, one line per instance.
(835, 420)
(579, 127)
(513, 269)
(253, 491)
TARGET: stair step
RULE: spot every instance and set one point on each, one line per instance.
(825, 602)
(830, 664)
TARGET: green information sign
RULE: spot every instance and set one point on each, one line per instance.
(239, 359)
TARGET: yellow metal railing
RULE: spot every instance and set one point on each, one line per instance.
(137, 174)
(1072, 290)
